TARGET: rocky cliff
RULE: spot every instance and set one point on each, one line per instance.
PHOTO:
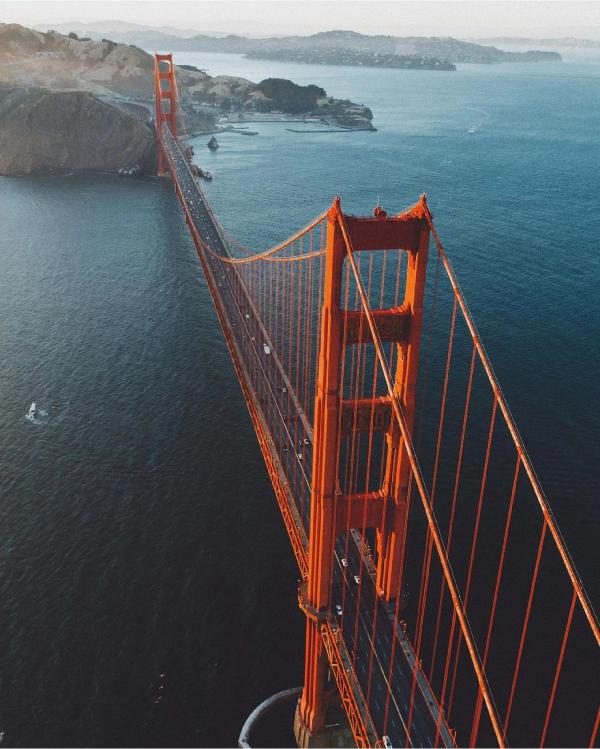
(56, 132)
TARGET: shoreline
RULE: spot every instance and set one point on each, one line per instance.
(339, 130)
(328, 127)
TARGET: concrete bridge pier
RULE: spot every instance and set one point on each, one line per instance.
(335, 733)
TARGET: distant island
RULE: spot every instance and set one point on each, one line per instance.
(70, 104)
(353, 57)
(329, 47)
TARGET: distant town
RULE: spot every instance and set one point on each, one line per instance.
(353, 57)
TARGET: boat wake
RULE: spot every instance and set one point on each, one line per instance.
(480, 122)
(36, 415)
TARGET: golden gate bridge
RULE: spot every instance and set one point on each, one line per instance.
(442, 605)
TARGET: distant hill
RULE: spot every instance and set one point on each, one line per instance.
(565, 41)
(115, 28)
(56, 61)
(443, 49)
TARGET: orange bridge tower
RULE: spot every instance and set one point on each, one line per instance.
(165, 97)
(384, 508)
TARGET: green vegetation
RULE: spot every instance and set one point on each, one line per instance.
(286, 96)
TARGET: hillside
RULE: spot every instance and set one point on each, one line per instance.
(56, 61)
(66, 63)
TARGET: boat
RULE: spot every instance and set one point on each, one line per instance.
(212, 144)
(32, 410)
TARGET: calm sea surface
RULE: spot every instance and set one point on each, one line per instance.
(148, 589)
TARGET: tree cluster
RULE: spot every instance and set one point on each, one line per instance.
(286, 96)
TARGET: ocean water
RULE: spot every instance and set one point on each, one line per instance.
(148, 589)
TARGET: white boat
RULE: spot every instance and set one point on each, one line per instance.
(32, 410)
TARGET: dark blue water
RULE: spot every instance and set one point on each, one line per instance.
(139, 533)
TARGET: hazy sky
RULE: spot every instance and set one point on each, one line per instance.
(426, 17)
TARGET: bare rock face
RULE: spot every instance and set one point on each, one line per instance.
(56, 132)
